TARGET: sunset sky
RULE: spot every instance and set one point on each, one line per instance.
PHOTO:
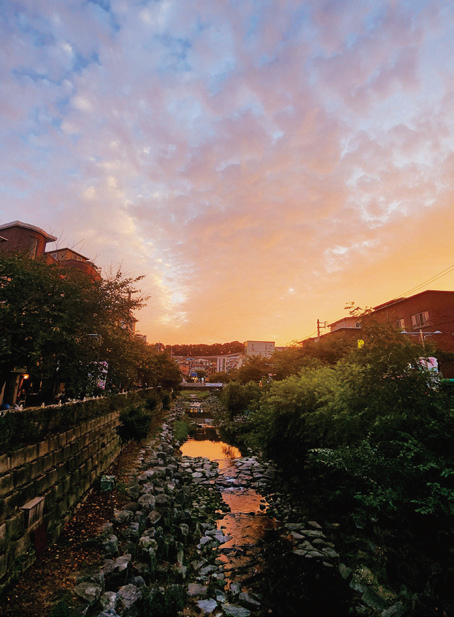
(262, 163)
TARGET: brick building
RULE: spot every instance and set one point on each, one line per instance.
(18, 237)
(426, 317)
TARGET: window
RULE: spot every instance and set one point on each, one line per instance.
(420, 319)
(32, 247)
(400, 324)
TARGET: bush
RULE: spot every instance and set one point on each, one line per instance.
(181, 430)
(134, 423)
(32, 425)
(166, 400)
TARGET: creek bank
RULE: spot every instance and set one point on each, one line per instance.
(166, 553)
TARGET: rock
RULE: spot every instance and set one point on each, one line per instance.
(106, 530)
(89, 592)
(344, 571)
(300, 552)
(208, 570)
(143, 570)
(205, 540)
(138, 581)
(313, 533)
(107, 483)
(110, 545)
(108, 600)
(154, 517)
(129, 601)
(207, 606)
(116, 571)
(147, 502)
(195, 589)
(297, 536)
(184, 532)
(124, 517)
(133, 491)
(331, 553)
(153, 560)
(162, 501)
(220, 596)
(374, 600)
(235, 611)
(132, 532)
(249, 601)
(396, 610)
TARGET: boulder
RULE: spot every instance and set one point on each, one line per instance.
(89, 592)
(129, 601)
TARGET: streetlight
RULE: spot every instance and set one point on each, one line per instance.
(422, 335)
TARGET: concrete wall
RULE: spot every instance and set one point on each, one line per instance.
(41, 484)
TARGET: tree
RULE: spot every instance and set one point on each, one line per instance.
(254, 369)
(59, 325)
(220, 377)
(166, 371)
(240, 398)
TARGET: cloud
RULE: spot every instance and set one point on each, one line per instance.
(234, 151)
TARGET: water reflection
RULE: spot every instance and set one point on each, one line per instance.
(246, 522)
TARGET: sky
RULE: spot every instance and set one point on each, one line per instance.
(261, 162)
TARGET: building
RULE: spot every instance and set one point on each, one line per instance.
(31, 241)
(426, 316)
(259, 348)
(67, 258)
(229, 362)
(18, 237)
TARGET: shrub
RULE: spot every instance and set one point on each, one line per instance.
(181, 430)
(134, 423)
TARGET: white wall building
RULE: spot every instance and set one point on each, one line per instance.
(259, 348)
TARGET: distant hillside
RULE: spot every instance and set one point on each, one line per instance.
(200, 349)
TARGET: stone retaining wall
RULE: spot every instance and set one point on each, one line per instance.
(41, 484)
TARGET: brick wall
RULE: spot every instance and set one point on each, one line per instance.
(41, 484)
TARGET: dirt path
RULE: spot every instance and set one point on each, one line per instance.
(46, 587)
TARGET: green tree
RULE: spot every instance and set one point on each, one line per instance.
(166, 371)
(240, 398)
(59, 325)
(255, 369)
(220, 377)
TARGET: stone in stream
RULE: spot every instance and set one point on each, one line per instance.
(207, 606)
(195, 589)
(147, 502)
(249, 601)
(129, 600)
(108, 601)
(235, 611)
(154, 517)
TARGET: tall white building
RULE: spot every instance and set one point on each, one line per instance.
(259, 348)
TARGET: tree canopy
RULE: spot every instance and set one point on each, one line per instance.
(59, 326)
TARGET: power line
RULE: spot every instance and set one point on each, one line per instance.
(431, 280)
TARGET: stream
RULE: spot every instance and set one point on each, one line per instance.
(247, 520)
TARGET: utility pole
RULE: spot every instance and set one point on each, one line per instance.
(320, 325)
